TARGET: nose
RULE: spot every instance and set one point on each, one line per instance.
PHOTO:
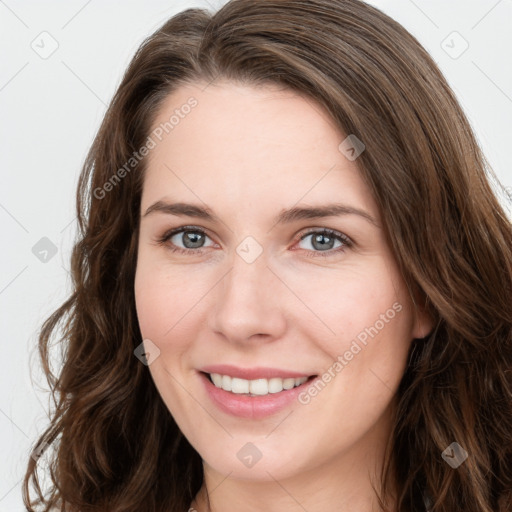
(248, 305)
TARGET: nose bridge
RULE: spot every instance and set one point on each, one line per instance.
(244, 286)
(247, 301)
(248, 272)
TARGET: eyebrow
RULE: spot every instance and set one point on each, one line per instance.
(284, 217)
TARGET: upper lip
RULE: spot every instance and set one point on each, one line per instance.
(252, 373)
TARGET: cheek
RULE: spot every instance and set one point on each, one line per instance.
(151, 300)
(352, 299)
(367, 326)
(163, 296)
(367, 357)
(164, 303)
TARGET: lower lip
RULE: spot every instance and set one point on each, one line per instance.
(254, 407)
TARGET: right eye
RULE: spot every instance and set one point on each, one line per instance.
(187, 235)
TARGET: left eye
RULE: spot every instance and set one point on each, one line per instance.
(323, 240)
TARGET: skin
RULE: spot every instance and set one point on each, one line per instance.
(247, 153)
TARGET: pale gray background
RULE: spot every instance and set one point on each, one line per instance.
(51, 108)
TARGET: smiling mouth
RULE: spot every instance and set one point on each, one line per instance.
(255, 387)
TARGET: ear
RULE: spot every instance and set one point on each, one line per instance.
(423, 316)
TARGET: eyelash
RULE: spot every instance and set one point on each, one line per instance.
(347, 242)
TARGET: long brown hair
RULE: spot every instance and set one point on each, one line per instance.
(115, 447)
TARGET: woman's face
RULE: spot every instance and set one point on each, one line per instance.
(252, 289)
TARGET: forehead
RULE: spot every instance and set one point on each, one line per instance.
(252, 144)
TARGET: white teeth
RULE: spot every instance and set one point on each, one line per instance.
(255, 387)
(288, 383)
(226, 383)
(238, 385)
(258, 387)
(217, 379)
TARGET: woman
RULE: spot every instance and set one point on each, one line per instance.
(292, 282)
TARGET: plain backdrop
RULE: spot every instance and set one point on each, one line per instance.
(61, 63)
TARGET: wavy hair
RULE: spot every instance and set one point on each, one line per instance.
(114, 445)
